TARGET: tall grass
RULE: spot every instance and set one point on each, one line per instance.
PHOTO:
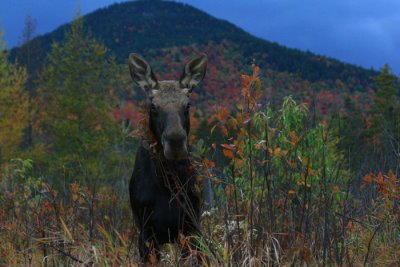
(282, 196)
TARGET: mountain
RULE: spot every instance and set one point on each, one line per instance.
(148, 26)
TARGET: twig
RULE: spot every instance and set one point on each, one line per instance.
(370, 243)
(68, 255)
(355, 220)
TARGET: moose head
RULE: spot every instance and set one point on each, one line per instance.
(169, 103)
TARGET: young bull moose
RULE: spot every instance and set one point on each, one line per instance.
(162, 195)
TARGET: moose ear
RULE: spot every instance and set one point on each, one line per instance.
(141, 73)
(194, 72)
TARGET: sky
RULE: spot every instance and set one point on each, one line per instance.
(362, 32)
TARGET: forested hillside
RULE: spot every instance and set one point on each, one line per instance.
(143, 26)
(301, 153)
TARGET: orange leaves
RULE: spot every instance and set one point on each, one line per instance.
(239, 163)
(227, 150)
(228, 147)
(350, 226)
(277, 152)
(387, 185)
(260, 144)
(335, 188)
(209, 163)
(367, 178)
(392, 178)
(224, 130)
(228, 153)
(293, 138)
(221, 114)
(74, 191)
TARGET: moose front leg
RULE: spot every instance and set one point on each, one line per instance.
(148, 247)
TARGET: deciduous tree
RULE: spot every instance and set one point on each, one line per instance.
(13, 106)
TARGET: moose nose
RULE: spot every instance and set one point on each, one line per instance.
(175, 147)
(175, 140)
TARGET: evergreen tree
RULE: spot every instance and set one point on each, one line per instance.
(385, 105)
(76, 96)
(384, 130)
(14, 105)
(386, 96)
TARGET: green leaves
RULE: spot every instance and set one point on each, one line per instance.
(78, 126)
(14, 106)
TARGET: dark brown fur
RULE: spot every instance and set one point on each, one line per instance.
(161, 189)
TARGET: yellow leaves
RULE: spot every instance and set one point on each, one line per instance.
(233, 123)
(213, 128)
(71, 116)
(291, 192)
(67, 232)
(192, 139)
(98, 127)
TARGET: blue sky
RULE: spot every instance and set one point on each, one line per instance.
(362, 32)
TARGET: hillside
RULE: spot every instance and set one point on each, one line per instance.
(144, 26)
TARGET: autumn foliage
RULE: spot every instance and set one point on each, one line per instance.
(308, 179)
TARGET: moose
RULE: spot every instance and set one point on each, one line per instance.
(162, 191)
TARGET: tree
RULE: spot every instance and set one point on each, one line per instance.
(384, 130)
(28, 34)
(14, 105)
(76, 103)
(386, 96)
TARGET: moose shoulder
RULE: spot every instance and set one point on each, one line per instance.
(162, 196)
